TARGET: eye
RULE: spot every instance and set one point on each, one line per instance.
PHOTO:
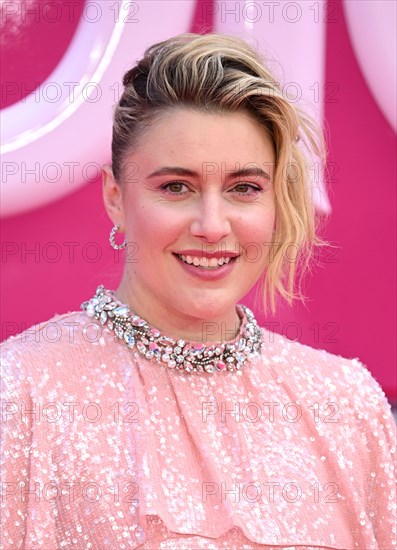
(173, 187)
(242, 188)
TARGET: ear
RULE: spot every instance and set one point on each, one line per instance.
(112, 197)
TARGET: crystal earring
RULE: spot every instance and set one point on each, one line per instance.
(113, 242)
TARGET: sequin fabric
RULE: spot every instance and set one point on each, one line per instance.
(103, 449)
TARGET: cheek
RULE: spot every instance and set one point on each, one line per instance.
(255, 236)
(257, 226)
(154, 225)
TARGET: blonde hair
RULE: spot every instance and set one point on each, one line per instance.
(214, 73)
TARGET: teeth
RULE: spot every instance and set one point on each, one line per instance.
(204, 262)
(213, 262)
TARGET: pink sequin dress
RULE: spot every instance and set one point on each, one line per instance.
(103, 449)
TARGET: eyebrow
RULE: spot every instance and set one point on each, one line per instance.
(179, 171)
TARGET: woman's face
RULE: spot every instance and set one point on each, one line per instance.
(196, 182)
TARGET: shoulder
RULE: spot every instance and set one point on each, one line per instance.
(65, 342)
(342, 396)
(47, 335)
(324, 373)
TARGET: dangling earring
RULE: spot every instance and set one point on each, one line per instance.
(113, 242)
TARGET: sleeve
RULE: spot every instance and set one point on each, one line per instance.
(16, 443)
(379, 436)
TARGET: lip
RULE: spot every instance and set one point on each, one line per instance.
(202, 254)
(204, 274)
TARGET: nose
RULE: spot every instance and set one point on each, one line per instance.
(211, 219)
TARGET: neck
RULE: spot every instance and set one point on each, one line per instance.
(219, 327)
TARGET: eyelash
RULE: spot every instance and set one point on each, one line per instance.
(254, 188)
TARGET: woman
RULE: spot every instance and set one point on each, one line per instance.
(162, 415)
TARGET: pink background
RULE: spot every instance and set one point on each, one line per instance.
(352, 297)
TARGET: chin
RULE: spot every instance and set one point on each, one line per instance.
(211, 308)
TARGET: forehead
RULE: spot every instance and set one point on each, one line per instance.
(188, 135)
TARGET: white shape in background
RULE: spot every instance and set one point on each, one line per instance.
(372, 28)
(68, 139)
(291, 38)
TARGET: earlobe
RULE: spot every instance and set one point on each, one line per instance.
(112, 197)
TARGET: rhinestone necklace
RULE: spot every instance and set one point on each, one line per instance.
(135, 332)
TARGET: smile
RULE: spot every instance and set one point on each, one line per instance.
(204, 263)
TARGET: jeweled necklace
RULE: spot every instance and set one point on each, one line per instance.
(176, 354)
